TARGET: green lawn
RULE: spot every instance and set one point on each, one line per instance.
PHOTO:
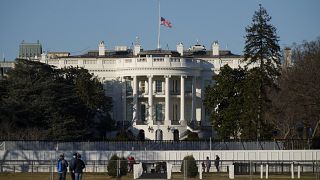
(175, 176)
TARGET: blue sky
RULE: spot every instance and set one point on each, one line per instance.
(78, 25)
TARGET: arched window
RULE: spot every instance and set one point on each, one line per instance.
(141, 136)
(176, 135)
(159, 135)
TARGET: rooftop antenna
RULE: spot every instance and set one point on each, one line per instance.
(3, 57)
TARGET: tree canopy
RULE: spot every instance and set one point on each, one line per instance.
(262, 55)
(41, 102)
(224, 101)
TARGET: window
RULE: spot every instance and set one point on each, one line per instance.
(175, 112)
(158, 86)
(143, 112)
(129, 112)
(142, 86)
(188, 86)
(128, 88)
(159, 112)
(108, 87)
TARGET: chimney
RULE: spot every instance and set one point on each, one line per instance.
(287, 57)
(101, 49)
(136, 49)
(180, 48)
(215, 48)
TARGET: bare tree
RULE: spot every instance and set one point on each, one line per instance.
(296, 107)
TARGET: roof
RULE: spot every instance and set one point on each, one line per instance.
(157, 53)
(208, 54)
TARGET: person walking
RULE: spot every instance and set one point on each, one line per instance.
(78, 167)
(131, 162)
(71, 165)
(203, 167)
(208, 164)
(62, 165)
(217, 162)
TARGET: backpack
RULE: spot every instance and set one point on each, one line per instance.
(59, 166)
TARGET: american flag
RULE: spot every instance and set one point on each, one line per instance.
(165, 22)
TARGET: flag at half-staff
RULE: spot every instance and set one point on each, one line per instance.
(165, 22)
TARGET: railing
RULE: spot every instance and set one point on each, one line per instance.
(157, 145)
(208, 168)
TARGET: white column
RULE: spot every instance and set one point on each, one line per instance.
(124, 99)
(150, 100)
(261, 171)
(167, 100)
(299, 169)
(193, 109)
(182, 96)
(135, 100)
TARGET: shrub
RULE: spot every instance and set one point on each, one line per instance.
(191, 166)
(112, 166)
(192, 136)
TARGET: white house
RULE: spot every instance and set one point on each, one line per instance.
(158, 93)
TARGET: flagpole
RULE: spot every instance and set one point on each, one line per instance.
(158, 46)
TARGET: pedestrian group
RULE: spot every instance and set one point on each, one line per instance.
(76, 167)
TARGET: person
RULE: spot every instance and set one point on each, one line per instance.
(208, 164)
(216, 162)
(71, 165)
(203, 167)
(62, 165)
(131, 162)
(78, 167)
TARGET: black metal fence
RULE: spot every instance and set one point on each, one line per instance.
(157, 145)
(276, 169)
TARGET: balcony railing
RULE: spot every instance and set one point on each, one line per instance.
(155, 122)
(175, 122)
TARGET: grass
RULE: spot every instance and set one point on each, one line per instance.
(175, 176)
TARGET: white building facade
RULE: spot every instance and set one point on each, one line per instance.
(157, 93)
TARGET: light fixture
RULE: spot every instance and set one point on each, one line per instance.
(150, 129)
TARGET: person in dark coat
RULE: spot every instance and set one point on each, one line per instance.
(78, 167)
(208, 164)
(71, 165)
(217, 162)
(62, 165)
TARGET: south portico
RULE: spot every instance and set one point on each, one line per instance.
(161, 105)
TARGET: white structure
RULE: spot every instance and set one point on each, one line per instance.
(101, 49)
(158, 93)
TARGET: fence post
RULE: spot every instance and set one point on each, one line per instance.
(292, 171)
(298, 171)
(231, 171)
(51, 169)
(267, 171)
(185, 170)
(200, 170)
(118, 169)
(250, 169)
(261, 171)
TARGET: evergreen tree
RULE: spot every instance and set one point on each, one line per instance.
(40, 102)
(263, 53)
(224, 101)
